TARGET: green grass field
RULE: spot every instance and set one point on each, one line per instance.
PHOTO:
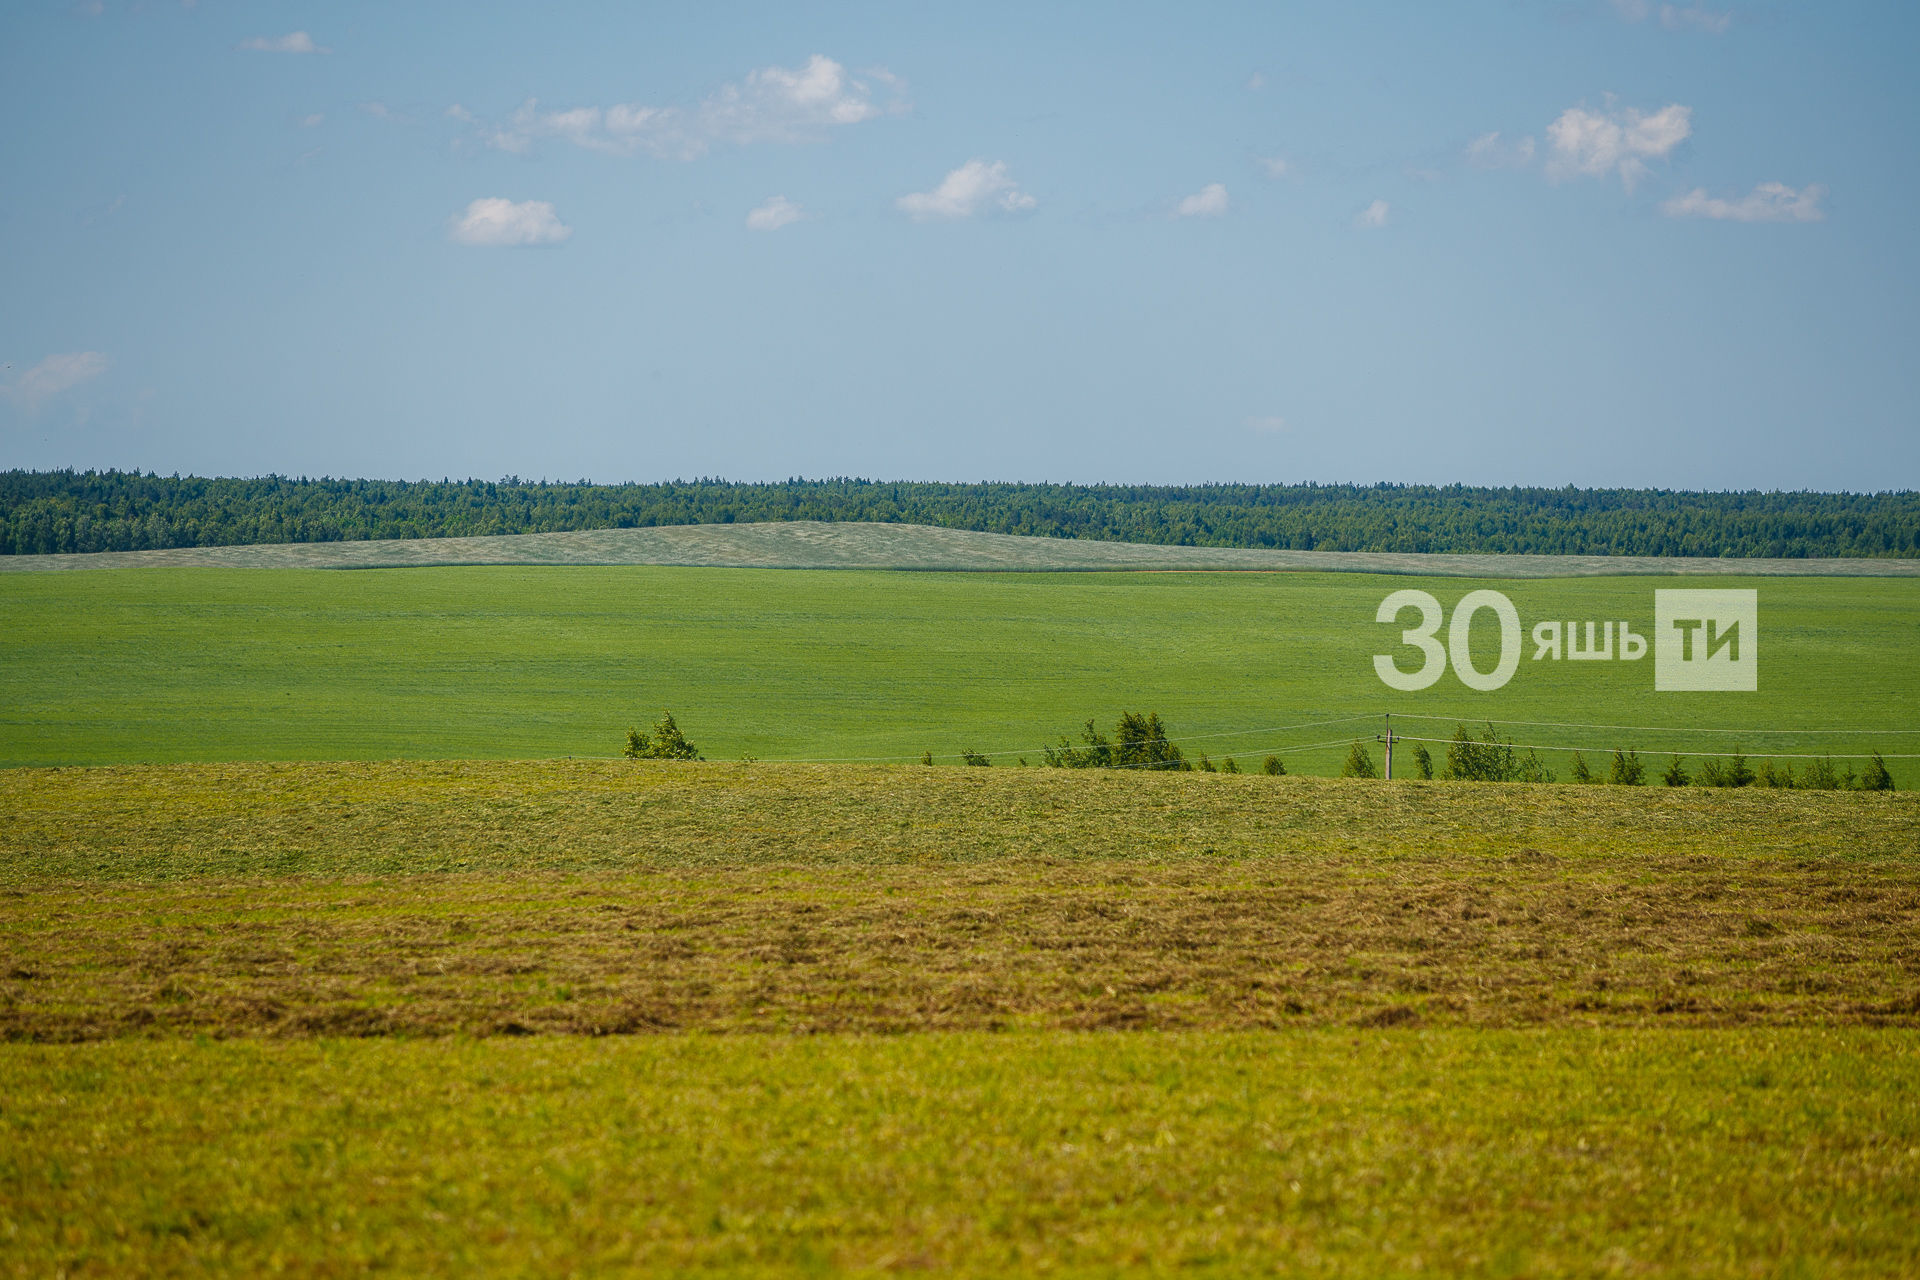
(204, 664)
(1402, 1153)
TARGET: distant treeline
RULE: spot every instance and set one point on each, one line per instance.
(45, 511)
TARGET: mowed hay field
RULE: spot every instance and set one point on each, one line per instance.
(574, 1016)
(115, 666)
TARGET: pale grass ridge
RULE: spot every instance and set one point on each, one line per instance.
(807, 544)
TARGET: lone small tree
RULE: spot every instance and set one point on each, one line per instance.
(1359, 763)
(1875, 777)
(665, 743)
(1627, 771)
(1273, 767)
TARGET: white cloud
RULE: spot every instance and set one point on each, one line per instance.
(774, 214)
(964, 192)
(460, 113)
(773, 104)
(1209, 201)
(496, 221)
(1374, 215)
(1256, 82)
(313, 121)
(1696, 17)
(1270, 425)
(1273, 166)
(1599, 143)
(53, 375)
(1768, 202)
(292, 42)
(1491, 151)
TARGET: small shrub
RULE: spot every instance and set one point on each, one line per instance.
(1876, 777)
(1273, 767)
(1676, 774)
(1768, 775)
(1205, 765)
(1730, 772)
(1359, 763)
(975, 759)
(1820, 775)
(1422, 762)
(1096, 754)
(926, 757)
(665, 743)
(1229, 765)
(1579, 771)
(1627, 771)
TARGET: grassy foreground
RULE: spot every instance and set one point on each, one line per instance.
(1386, 1153)
(204, 664)
(542, 1017)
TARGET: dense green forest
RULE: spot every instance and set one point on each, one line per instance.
(126, 511)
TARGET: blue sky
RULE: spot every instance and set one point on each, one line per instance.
(1589, 242)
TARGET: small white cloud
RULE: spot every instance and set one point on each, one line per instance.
(1374, 215)
(773, 104)
(774, 214)
(1598, 143)
(1209, 201)
(313, 121)
(1256, 82)
(497, 221)
(1696, 17)
(1269, 425)
(460, 113)
(974, 186)
(292, 42)
(1768, 202)
(379, 111)
(1491, 151)
(1273, 166)
(53, 375)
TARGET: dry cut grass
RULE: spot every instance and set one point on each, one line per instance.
(593, 898)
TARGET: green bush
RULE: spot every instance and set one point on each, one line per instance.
(1359, 763)
(1490, 759)
(975, 759)
(1422, 762)
(665, 743)
(1676, 774)
(1876, 777)
(1273, 767)
(1627, 771)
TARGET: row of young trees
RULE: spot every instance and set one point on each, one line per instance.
(1491, 758)
(65, 511)
(1139, 741)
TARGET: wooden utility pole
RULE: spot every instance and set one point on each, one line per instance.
(1389, 741)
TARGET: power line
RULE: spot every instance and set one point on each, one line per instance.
(1716, 755)
(1655, 728)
